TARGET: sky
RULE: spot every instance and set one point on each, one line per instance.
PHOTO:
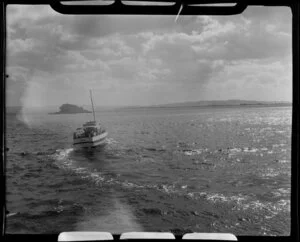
(147, 60)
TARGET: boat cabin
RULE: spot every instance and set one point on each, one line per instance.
(89, 129)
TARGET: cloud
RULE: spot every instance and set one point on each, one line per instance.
(259, 79)
(147, 59)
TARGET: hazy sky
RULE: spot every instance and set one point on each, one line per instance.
(126, 60)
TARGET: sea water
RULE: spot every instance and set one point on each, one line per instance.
(163, 169)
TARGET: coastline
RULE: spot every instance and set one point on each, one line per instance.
(69, 113)
(210, 106)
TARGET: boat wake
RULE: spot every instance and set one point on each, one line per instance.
(118, 218)
(64, 160)
(62, 154)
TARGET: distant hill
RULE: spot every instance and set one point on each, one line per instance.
(70, 109)
(233, 102)
(216, 103)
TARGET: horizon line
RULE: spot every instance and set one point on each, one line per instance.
(154, 105)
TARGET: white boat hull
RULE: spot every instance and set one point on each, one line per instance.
(90, 142)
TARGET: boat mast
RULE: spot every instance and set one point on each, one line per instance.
(92, 105)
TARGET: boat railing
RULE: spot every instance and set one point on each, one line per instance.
(88, 132)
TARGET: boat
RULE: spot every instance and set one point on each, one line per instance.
(91, 134)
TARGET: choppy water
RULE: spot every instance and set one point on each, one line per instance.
(163, 169)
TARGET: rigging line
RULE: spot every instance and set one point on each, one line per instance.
(92, 105)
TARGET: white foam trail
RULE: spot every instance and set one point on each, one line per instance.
(244, 203)
(195, 152)
(270, 172)
(62, 153)
(251, 150)
(284, 161)
(111, 141)
(282, 192)
(278, 145)
(274, 208)
(217, 197)
(62, 161)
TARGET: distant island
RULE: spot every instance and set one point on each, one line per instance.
(70, 109)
